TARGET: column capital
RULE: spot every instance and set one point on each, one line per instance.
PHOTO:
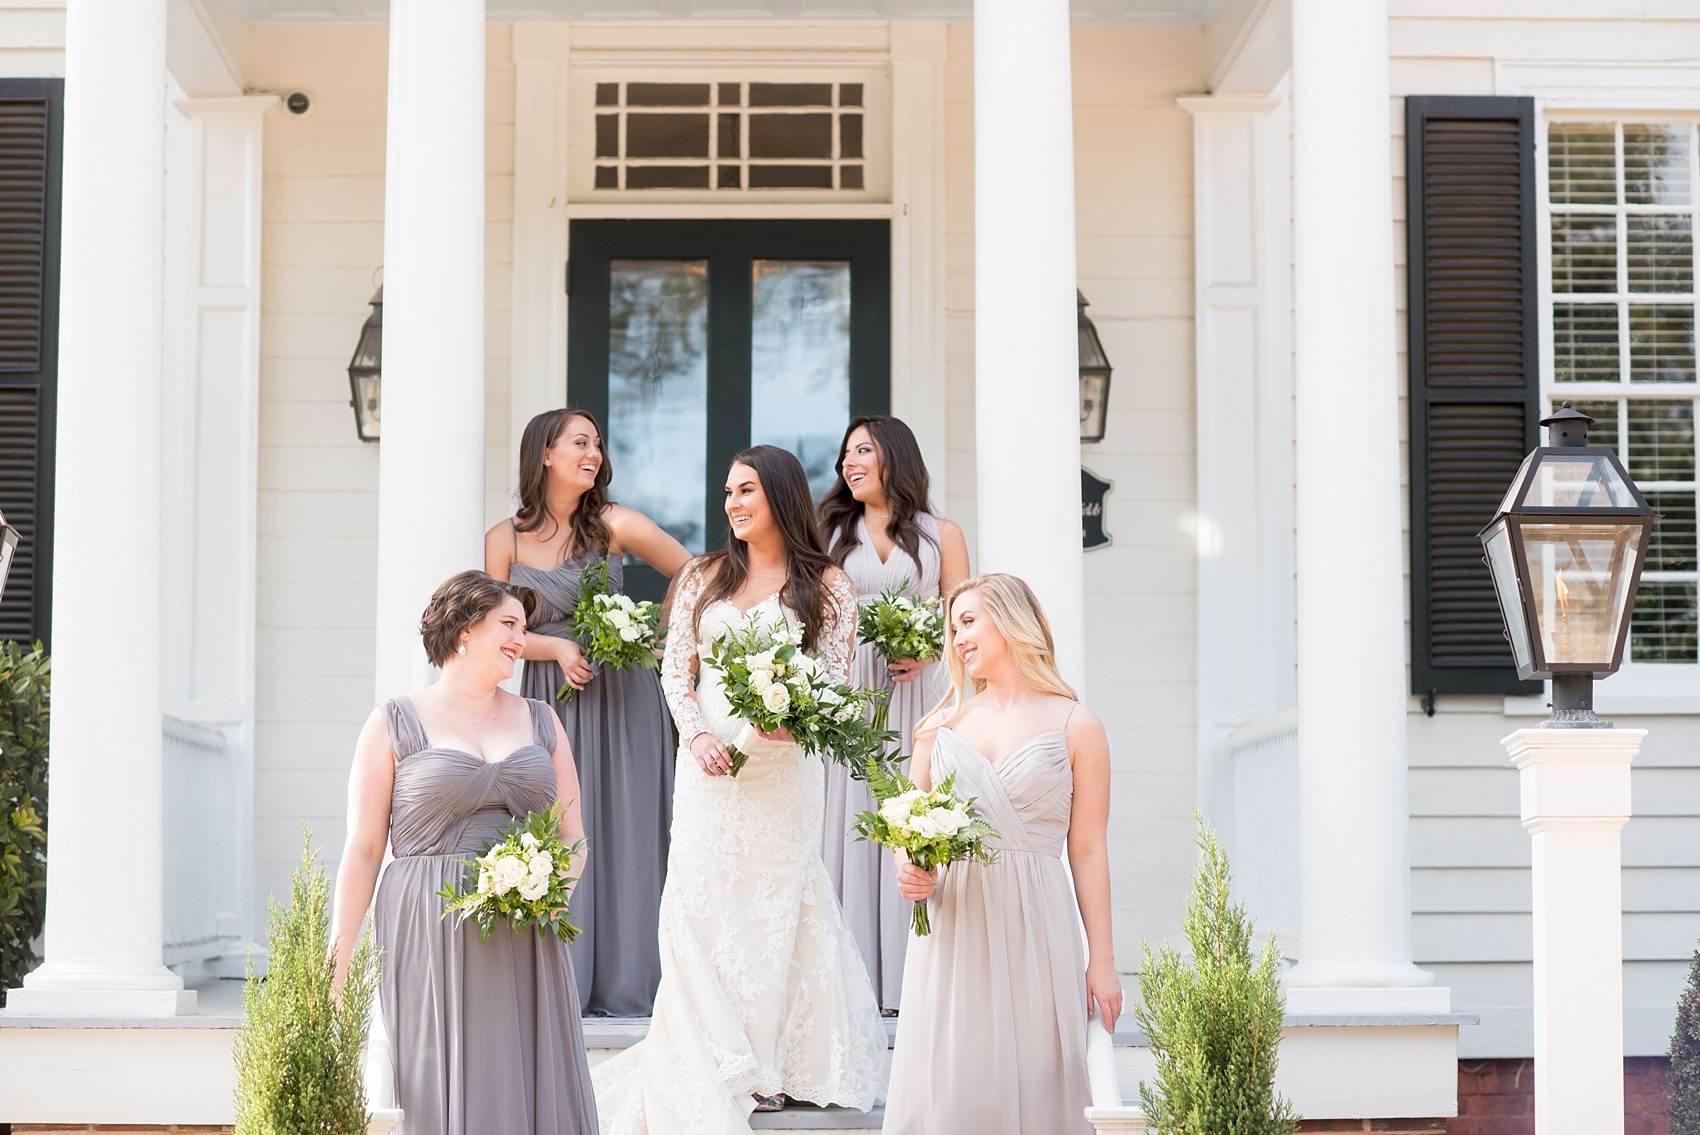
(1574, 780)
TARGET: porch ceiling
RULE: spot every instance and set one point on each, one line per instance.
(366, 11)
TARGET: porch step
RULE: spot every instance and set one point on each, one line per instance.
(807, 1117)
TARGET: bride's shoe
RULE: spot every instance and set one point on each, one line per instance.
(771, 1103)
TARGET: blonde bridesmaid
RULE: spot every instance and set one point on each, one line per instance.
(880, 529)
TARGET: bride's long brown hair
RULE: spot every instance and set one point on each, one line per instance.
(786, 488)
(588, 529)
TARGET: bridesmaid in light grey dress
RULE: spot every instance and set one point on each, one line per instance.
(882, 476)
(618, 722)
(996, 998)
(485, 1035)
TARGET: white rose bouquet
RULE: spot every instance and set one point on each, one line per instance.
(616, 630)
(931, 828)
(901, 628)
(770, 683)
(522, 878)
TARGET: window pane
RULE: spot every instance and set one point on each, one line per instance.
(1663, 626)
(729, 144)
(666, 177)
(607, 135)
(1584, 253)
(666, 135)
(1661, 254)
(1661, 440)
(790, 94)
(1603, 432)
(790, 135)
(1655, 164)
(849, 94)
(607, 177)
(658, 391)
(1673, 536)
(1661, 343)
(790, 177)
(1582, 163)
(800, 361)
(607, 94)
(731, 94)
(850, 177)
(666, 94)
(1584, 342)
(850, 136)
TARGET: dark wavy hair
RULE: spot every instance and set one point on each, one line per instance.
(786, 487)
(589, 529)
(459, 602)
(903, 475)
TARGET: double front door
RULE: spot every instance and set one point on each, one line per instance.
(692, 340)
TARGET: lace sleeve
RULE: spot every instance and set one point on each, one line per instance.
(676, 668)
(838, 637)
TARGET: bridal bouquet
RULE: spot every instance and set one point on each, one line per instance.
(930, 828)
(522, 878)
(771, 684)
(615, 630)
(899, 628)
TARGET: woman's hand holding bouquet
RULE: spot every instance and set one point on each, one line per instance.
(906, 632)
(524, 878)
(616, 630)
(931, 829)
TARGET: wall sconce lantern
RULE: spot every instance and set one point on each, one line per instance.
(1566, 550)
(1094, 377)
(365, 373)
(8, 545)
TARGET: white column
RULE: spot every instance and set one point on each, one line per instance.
(1354, 856)
(1575, 787)
(104, 875)
(431, 458)
(1026, 347)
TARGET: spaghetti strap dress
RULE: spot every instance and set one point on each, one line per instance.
(861, 872)
(993, 1035)
(486, 1035)
(622, 738)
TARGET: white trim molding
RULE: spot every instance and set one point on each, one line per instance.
(1597, 84)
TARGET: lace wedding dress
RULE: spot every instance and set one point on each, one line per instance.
(762, 990)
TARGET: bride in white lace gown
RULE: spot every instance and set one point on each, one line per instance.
(762, 994)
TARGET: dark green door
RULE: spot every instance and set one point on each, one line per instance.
(691, 340)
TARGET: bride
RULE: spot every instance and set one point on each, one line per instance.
(763, 994)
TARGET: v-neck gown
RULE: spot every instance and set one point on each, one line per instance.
(622, 738)
(863, 873)
(992, 1040)
(486, 1035)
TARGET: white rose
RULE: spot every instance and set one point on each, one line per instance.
(510, 872)
(527, 840)
(846, 713)
(619, 619)
(760, 681)
(776, 698)
(485, 882)
(629, 633)
(925, 825)
(948, 821)
(534, 888)
(542, 863)
(830, 696)
(761, 661)
(625, 602)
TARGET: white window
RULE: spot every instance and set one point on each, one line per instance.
(1619, 213)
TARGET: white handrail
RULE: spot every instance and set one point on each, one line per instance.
(1101, 1071)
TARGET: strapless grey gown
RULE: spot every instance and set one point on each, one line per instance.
(622, 738)
(486, 1036)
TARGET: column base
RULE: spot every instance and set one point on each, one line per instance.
(99, 991)
(1363, 990)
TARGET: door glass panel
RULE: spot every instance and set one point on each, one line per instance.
(658, 391)
(800, 361)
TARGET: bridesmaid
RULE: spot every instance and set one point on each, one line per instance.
(617, 722)
(996, 999)
(878, 524)
(487, 1038)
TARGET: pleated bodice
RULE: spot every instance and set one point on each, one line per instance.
(1026, 794)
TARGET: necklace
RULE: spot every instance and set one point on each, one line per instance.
(495, 707)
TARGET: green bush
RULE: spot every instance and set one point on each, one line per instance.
(24, 681)
(1682, 1086)
(299, 1055)
(1215, 1022)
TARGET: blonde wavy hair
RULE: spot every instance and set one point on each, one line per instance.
(1015, 612)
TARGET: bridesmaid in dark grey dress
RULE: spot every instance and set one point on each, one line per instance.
(485, 1035)
(617, 723)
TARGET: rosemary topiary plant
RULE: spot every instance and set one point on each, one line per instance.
(299, 1056)
(24, 680)
(1682, 1086)
(1214, 1022)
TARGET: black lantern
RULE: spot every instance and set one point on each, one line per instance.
(1566, 549)
(8, 545)
(1094, 377)
(365, 372)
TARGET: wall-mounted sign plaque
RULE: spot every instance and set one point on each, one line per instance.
(1093, 489)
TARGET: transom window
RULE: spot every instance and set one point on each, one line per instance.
(1621, 212)
(730, 136)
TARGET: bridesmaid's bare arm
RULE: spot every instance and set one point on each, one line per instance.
(913, 883)
(499, 550)
(371, 781)
(636, 533)
(953, 555)
(1089, 859)
(569, 655)
(566, 795)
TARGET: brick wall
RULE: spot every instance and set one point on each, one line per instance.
(1496, 1097)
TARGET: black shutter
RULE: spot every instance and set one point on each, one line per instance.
(30, 119)
(1474, 370)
